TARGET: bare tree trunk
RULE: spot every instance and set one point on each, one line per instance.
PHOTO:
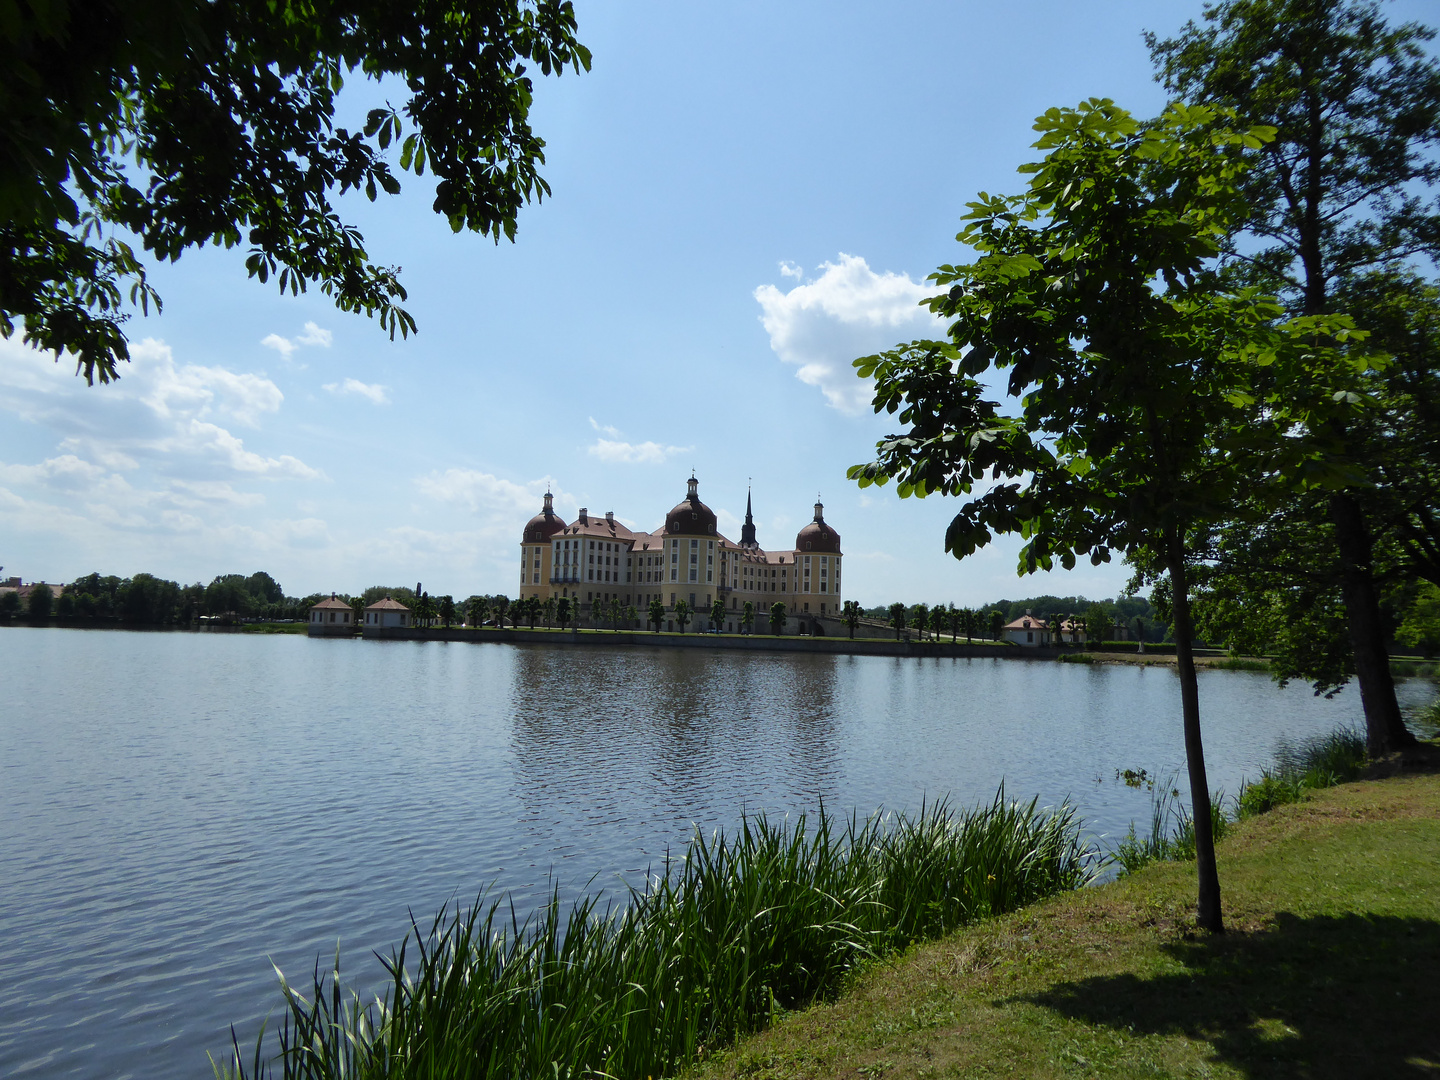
(1207, 907)
(1385, 730)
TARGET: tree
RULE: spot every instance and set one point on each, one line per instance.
(500, 606)
(1421, 627)
(747, 616)
(1344, 188)
(657, 612)
(850, 613)
(897, 618)
(616, 612)
(682, 613)
(1097, 625)
(938, 619)
(446, 609)
(717, 615)
(919, 619)
(564, 610)
(188, 123)
(996, 624)
(549, 608)
(10, 604)
(777, 617)
(40, 602)
(1132, 369)
(477, 609)
(424, 610)
(631, 616)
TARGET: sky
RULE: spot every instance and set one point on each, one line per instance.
(746, 197)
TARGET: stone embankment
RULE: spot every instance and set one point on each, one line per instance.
(642, 639)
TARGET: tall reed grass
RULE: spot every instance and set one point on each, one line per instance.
(1320, 762)
(738, 930)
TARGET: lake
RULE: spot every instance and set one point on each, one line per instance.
(178, 810)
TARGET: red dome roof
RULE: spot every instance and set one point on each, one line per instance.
(544, 524)
(817, 536)
(691, 517)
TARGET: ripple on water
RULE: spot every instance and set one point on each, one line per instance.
(178, 810)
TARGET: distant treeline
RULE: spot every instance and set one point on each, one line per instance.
(1099, 617)
(154, 601)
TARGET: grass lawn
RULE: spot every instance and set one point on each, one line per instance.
(1330, 968)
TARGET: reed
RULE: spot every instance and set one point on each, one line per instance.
(1320, 762)
(741, 928)
(1238, 663)
(1172, 830)
(1316, 763)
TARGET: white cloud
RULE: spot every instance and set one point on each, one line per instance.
(847, 312)
(605, 429)
(374, 391)
(284, 346)
(503, 503)
(646, 453)
(313, 335)
(149, 456)
(792, 270)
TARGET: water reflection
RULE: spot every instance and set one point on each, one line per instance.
(177, 810)
(641, 747)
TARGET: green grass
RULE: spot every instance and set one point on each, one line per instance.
(1300, 769)
(1415, 669)
(739, 931)
(274, 628)
(1327, 969)
(1238, 663)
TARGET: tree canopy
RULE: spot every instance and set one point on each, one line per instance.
(183, 123)
(1132, 370)
(1343, 209)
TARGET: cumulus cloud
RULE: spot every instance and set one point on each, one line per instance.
(313, 335)
(374, 391)
(645, 453)
(483, 493)
(284, 346)
(791, 270)
(617, 451)
(849, 311)
(162, 413)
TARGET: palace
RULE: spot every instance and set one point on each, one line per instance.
(596, 560)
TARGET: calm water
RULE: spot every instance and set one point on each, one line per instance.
(177, 810)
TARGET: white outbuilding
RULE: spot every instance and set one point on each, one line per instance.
(331, 617)
(386, 614)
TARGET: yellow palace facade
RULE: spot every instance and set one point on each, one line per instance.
(597, 559)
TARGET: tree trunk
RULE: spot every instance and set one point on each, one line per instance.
(1207, 908)
(1385, 730)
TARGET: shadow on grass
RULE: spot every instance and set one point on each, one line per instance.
(1311, 997)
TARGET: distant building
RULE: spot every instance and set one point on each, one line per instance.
(331, 618)
(1028, 631)
(384, 614)
(596, 560)
(13, 585)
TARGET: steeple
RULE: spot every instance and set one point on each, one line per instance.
(747, 532)
(549, 510)
(693, 486)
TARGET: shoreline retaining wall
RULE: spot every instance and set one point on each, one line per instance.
(643, 639)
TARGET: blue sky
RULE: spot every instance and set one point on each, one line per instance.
(746, 197)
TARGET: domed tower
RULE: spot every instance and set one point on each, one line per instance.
(817, 550)
(690, 549)
(535, 550)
